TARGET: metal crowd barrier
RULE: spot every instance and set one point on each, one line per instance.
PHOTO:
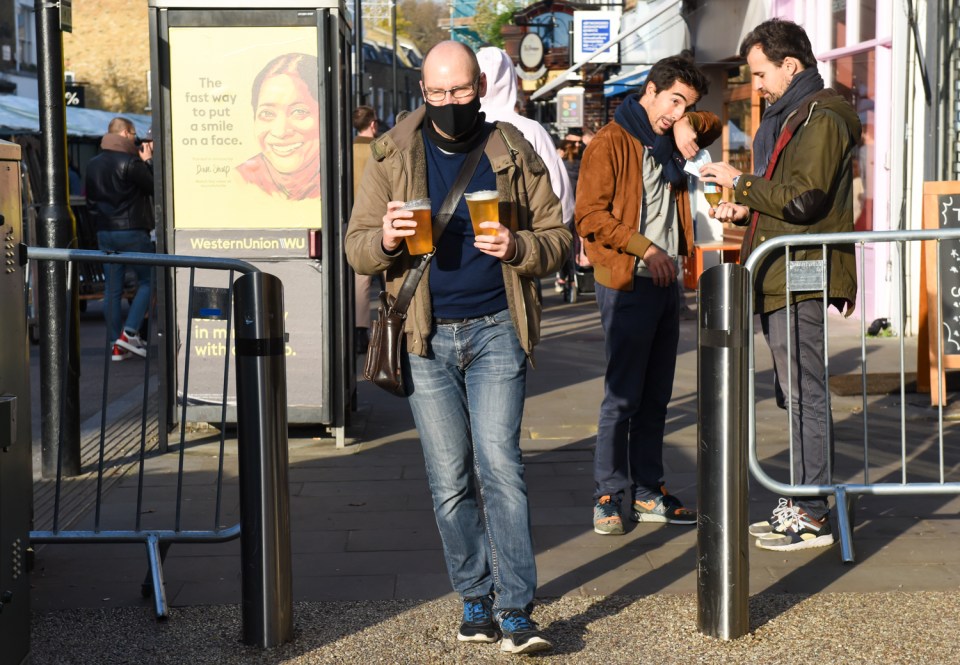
(727, 415)
(261, 461)
(842, 492)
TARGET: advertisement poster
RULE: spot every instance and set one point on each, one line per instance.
(570, 107)
(245, 128)
(208, 339)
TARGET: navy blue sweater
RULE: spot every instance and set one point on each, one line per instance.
(464, 282)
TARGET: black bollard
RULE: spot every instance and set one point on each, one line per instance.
(267, 603)
(723, 572)
(56, 227)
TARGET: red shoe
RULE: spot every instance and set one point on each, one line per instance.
(119, 354)
(131, 342)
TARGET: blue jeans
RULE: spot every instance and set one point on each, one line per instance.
(134, 240)
(467, 400)
(811, 419)
(641, 330)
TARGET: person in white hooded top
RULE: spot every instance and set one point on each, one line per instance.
(499, 104)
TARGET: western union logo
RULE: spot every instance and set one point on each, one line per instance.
(236, 244)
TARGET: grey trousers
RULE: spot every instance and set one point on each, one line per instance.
(812, 447)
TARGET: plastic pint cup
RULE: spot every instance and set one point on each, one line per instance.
(712, 193)
(421, 242)
(484, 207)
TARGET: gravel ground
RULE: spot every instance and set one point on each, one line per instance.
(881, 628)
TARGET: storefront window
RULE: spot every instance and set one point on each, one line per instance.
(738, 135)
(839, 23)
(868, 20)
(741, 115)
(854, 77)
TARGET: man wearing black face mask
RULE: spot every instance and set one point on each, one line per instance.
(470, 327)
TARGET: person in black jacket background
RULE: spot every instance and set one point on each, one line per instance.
(119, 191)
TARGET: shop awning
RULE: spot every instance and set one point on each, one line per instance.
(626, 81)
(666, 12)
(21, 115)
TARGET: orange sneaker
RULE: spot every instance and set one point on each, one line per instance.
(606, 516)
(664, 509)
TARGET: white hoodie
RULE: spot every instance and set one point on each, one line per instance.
(499, 104)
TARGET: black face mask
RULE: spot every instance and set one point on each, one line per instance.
(454, 120)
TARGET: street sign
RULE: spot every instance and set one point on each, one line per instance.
(570, 107)
(75, 96)
(66, 15)
(531, 51)
(594, 29)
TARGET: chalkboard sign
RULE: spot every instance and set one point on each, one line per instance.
(948, 209)
(941, 210)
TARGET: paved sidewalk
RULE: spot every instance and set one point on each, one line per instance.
(368, 572)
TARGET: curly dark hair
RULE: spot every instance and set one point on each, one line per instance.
(779, 39)
(676, 68)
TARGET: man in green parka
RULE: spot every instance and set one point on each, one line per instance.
(803, 156)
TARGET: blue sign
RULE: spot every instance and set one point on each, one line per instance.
(594, 34)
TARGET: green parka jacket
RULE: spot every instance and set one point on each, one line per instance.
(398, 172)
(810, 190)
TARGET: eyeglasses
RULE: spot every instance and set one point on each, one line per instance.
(460, 92)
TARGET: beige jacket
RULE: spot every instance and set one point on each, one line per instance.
(528, 207)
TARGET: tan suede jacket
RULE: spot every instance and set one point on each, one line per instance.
(397, 171)
(609, 196)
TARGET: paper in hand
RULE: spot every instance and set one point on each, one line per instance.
(693, 165)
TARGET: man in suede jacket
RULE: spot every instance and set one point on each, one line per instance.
(633, 212)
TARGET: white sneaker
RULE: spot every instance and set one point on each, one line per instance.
(780, 513)
(132, 343)
(797, 531)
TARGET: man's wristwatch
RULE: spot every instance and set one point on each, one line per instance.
(736, 179)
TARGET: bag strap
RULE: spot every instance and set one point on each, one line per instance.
(443, 217)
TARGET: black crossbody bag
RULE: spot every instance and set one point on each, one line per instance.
(386, 338)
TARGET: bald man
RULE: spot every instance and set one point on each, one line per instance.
(470, 329)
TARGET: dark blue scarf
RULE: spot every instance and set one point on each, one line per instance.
(802, 86)
(633, 118)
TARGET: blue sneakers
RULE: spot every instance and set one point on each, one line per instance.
(520, 633)
(478, 624)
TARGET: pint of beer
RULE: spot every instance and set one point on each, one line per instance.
(712, 193)
(484, 207)
(421, 242)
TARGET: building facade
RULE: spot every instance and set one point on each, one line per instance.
(377, 82)
(108, 54)
(18, 48)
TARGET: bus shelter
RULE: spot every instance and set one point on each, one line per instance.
(252, 145)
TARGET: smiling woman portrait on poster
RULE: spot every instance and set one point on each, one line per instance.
(287, 126)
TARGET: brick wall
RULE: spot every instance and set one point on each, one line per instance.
(109, 52)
